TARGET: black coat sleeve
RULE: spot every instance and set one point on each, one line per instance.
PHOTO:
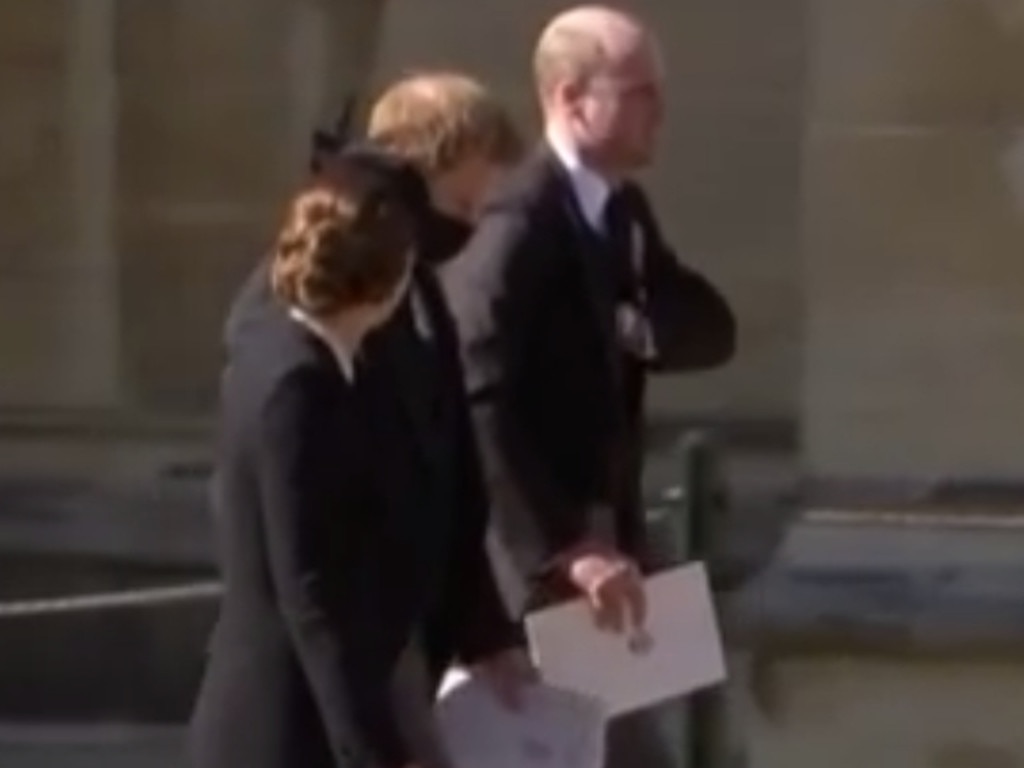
(483, 625)
(299, 491)
(517, 268)
(693, 325)
(480, 623)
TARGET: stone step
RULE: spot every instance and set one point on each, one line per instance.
(135, 664)
(99, 745)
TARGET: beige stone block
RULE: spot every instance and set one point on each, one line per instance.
(29, 339)
(203, 172)
(34, 202)
(48, 324)
(726, 186)
(728, 199)
(853, 712)
(173, 303)
(31, 33)
(731, 53)
(894, 62)
(203, 104)
(915, 288)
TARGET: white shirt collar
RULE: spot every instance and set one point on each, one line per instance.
(591, 190)
(420, 314)
(342, 354)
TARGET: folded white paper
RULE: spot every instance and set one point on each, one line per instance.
(553, 729)
(678, 651)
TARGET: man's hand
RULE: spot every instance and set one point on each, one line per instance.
(613, 585)
(508, 673)
(635, 334)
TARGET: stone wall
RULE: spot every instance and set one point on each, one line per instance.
(144, 156)
(848, 712)
(849, 172)
(36, 208)
(912, 233)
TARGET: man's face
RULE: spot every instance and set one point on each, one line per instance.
(620, 110)
(462, 191)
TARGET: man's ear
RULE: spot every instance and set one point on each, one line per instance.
(571, 91)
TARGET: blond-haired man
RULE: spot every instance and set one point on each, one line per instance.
(461, 139)
(566, 298)
(453, 130)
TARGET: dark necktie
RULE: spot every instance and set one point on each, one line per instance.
(618, 230)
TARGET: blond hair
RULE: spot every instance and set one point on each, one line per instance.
(579, 43)
(566, 54)
(437, 120)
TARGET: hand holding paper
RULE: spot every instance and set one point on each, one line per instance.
(508, 673)
(611, 583)
(677, 651)
(552, 729)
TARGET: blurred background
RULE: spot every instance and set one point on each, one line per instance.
(850, 172)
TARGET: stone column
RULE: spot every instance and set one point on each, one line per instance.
(204, 125)
(220, 100)
(306, 60)
(913, 233)
(726, 184)
(330, 55)
(91, 318)
(58, 254)
(357, 33)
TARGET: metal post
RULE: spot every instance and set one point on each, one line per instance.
(703, 502)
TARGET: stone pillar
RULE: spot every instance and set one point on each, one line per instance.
(58, 251)
(727, 187)
(220, 101)
(331, 50)
(913, 233)
(92, 317)
(357, 31)
(205, 122)
(307, 60)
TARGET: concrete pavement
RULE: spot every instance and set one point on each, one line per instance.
(90, 746)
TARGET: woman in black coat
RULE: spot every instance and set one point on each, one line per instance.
(323, 587)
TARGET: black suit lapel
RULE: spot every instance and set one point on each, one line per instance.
(393, 371)
(593, 256)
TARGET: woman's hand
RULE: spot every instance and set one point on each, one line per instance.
(508, 673)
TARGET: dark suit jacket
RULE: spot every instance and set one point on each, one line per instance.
(536, 312)
(313, 614)
(405, 462)
(427, 401)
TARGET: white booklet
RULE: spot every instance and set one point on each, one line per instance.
(678, 652)
(553, 729)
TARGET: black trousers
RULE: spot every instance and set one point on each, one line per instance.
(635, 741)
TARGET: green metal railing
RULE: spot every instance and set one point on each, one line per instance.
(687, 524)
(704, 505)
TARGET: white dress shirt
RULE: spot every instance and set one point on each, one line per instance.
(591, 189)
(420, 314)
(592, 192)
